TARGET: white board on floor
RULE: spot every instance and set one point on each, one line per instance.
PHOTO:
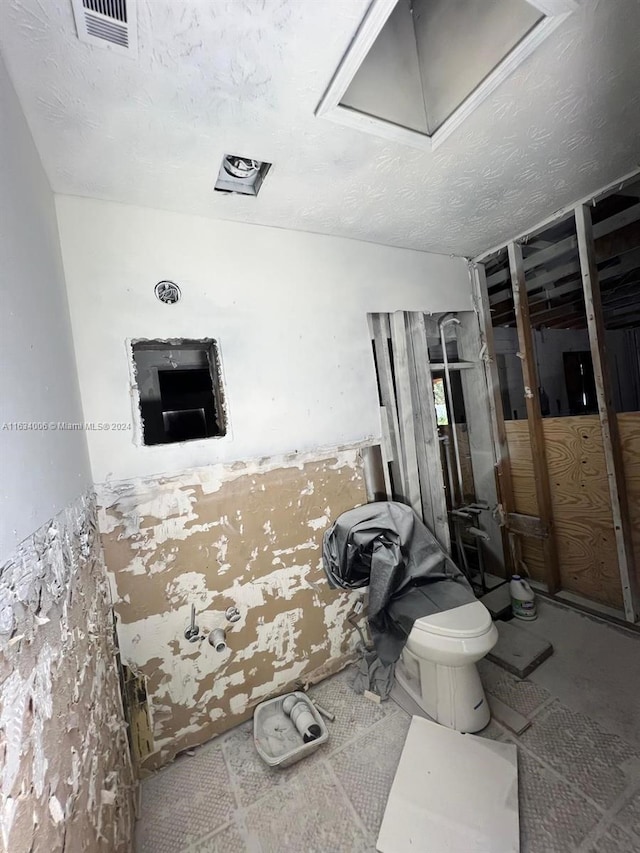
(452, 793)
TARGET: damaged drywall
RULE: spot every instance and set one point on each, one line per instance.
(66, 779)
(247, 536)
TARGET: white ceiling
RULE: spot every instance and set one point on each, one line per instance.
(244, 77)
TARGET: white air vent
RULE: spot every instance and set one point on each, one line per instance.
(107, 23)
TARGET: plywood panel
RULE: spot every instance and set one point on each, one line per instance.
(581, 508)
(629, 426)
(580, 498)
(524, 492)
(533, 558)
(583, 523)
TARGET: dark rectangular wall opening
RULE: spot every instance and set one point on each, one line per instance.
(180, 390)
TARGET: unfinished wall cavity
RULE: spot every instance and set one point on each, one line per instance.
(239, 535)
(66, 778)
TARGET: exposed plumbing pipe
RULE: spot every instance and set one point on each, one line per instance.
(447, 447)
(446, 320)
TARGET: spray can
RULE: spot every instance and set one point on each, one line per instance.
(523, 599)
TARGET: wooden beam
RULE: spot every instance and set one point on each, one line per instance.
(453, 365)
(527, 525)
(433, 498)
(624, 240)
(608, 419)
(534, 416)
(390, 429)
(563, 247)
(500, 445)
(570, 309)
(628, 262)
(404, 399)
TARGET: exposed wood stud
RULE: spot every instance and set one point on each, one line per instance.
(434, 504)
(608, 419)
(501, 448)
(389, 410)
(527, 525)
(534, 416)
(404, 400)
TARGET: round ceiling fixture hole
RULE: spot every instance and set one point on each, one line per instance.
(168, 292)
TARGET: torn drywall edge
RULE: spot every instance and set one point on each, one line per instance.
(211, 477)
(61, 657)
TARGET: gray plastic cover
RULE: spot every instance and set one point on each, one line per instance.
(385, 545)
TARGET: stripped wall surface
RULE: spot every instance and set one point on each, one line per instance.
(244, 535)
(66, 777)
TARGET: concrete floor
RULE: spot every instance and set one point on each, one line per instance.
(579, 763)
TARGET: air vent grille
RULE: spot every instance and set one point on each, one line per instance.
(107, 23)
(116, 9)
(102, 29)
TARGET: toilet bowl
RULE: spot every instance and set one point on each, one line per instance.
(438, 665)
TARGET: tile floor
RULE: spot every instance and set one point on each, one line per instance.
(579, 778)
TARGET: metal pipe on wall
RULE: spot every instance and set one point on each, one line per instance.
(446, 320)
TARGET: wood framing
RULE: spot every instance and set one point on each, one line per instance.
(434, 503)
(404, 400)
(501, 448)
(389, 412)
(534, 416)
(527, 525)
(592, 198)
(409, 428)
(608, 420)
(481, 445)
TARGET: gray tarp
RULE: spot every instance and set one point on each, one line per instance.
(385, 545)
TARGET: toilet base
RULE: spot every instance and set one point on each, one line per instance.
(451, 695)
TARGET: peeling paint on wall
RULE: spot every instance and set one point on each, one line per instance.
(66, 780)
(243, 535)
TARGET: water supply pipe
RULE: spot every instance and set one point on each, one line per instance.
(447, 320)
(447, 447)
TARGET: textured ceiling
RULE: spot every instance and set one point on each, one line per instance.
(244, 76)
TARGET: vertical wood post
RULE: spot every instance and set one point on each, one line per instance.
(501, 447)
(608, 419)
(534, 416)
(404, 399)
(434, 502)
(389, 412)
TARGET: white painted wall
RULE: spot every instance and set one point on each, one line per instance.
(288, 309)
(42, 471)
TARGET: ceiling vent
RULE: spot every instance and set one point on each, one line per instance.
(107, 23)
(241, 175)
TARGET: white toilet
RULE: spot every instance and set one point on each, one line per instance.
(438, 665)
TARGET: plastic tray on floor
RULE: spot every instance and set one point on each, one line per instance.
(277, 740)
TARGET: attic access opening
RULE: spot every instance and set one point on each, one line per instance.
(417, 68)
(179, 390)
